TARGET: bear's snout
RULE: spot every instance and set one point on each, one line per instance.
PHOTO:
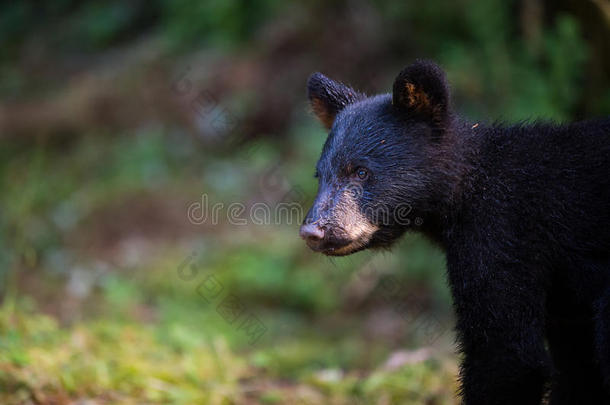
(312, 233)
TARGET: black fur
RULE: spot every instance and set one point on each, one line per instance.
(522, 212)
(328, 97)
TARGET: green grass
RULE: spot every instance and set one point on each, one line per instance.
(127, 362)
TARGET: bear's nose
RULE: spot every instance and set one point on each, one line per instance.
(311, 233)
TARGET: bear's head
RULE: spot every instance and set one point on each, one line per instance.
(379, 170)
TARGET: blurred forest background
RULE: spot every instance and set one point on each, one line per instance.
(115, 117)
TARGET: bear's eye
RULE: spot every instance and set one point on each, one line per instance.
(362, 173)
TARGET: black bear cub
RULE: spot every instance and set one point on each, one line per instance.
(522, 213)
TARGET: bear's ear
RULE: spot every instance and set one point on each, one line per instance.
(327, 97)
(421, 89)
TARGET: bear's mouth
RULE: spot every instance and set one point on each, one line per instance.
(336, 246)
(347, 249)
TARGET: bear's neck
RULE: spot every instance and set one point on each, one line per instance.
(456, 159)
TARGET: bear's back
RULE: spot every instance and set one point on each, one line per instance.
(550, 183)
